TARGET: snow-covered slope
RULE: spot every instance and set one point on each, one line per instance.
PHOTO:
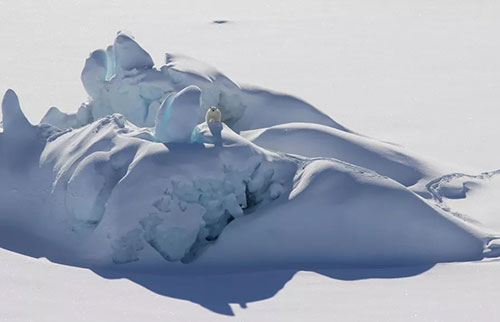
(358, 218)
(314, 140)
(471, 197)
(150, 187)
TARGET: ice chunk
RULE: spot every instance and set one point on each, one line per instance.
(14, 119)
(210, 132)
(129, 55)
(232, 205)
(87, 192)
(218, 134)
(275, 190)
(218, 199)
(111, 62)
(217, 89)
(84, 115)
(59, 119)
(173, 233)
(126, 249)
(315, 140)
(121, 79)
(259, 184)
(94, 72)
(163, 204)
(62, 120)
(178, 115)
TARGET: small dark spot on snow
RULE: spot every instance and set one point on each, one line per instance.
(220, 22)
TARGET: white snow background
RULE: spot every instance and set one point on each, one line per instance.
(424, 75)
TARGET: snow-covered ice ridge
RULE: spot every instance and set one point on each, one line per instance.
(136, 177)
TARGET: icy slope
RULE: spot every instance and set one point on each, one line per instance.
(153, 185)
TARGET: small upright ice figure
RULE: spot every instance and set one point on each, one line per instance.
(213, 115)
(178, 115)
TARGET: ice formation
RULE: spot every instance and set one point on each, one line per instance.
(136, 175)
(178, 115)
(122, 79)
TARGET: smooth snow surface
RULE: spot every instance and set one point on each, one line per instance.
(37, 290)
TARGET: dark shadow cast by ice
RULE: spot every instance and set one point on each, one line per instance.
(216, 291)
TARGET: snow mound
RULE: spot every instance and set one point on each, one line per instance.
(359, 218)
(136, 178)
(63, 120)
(128, 55)
(385, 159)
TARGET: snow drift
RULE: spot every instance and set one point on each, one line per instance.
(136, 176)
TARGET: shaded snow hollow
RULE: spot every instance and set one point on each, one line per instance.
(136, 175)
